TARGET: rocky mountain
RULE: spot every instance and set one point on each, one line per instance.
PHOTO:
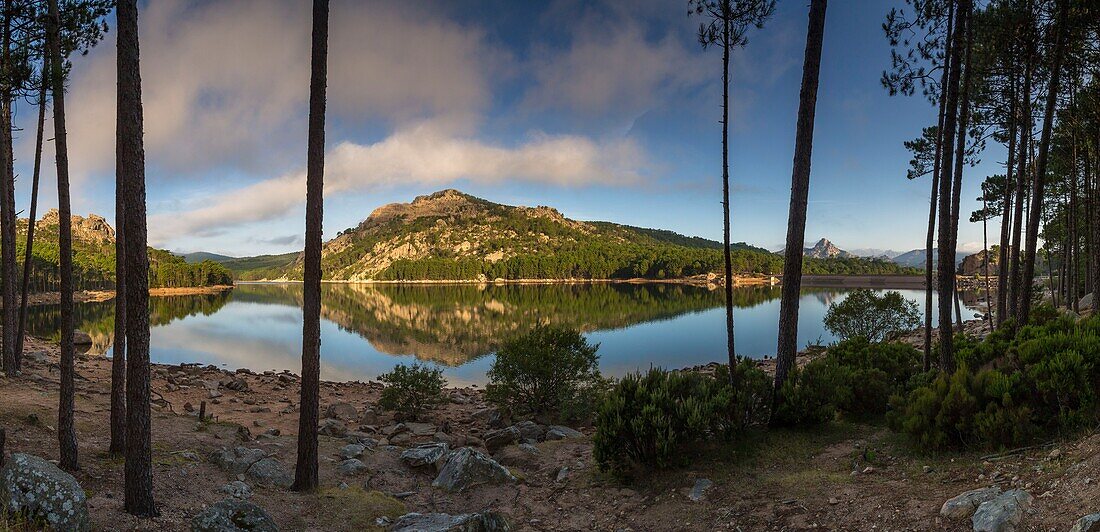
(824, 249)
(916, 258)
(450, 235)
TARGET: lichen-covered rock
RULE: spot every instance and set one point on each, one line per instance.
(467, 467)
(351, 467)
(33, 486)
(496, 439)
(432, 454)
(964, 504)
(343, 411)
(255, 464)
(479, 522)
(333, 427)
(352, 450)
(233, 515)
(237, 490)
(558, 432)
(1088, 523)
(1002, 514)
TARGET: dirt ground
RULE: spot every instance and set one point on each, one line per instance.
(842, 477)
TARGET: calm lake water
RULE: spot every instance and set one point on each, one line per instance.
(366, 329)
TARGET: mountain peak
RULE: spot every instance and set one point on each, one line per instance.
(826, 250)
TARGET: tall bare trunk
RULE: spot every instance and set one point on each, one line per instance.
(1041, 164)
(130, 165)
(731, 349)
(66, 429)
(305, 473)
(32, 216)
(7, 207)
(946, 265)
(1023, 177)
(960, 160)
(800, 191)
(1006, 220)
(123, 143)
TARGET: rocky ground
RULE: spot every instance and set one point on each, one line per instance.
(375, 469)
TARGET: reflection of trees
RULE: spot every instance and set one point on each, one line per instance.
(98, 318)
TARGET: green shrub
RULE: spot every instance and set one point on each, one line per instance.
(649, 421)
(873, 317)
(548, 371)
(808, 396)
(412, 390)
(1047, 383)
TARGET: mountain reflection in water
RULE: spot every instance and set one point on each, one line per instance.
(366, 329)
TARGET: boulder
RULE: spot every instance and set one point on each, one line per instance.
(351, 467)
(479, 522)
(467, 467)
(33, 486)
(1088, 302)
(333, 427)
(1002, 514)
(496, 439)
(1088, 523)
(237, 490)
(530, 432)
(255, 464)
(433, 454)
(964, 504)
(237, 385)
(491, 416)
(523, 455)
(233, 515)
(352, 450)
(558, 432)
(81, 338)
(344, 411)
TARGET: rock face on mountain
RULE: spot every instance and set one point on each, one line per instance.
(93, 229)
(826, 250)
(975, 264)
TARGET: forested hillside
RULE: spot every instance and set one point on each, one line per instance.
(450, 235)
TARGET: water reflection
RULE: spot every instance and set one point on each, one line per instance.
(367, 328)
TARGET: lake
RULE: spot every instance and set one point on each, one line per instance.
(366, 329)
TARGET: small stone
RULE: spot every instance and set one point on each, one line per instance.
(237, 490)
(351, 467)
(833, 501)
(1055, 454)
(1088, 523)
(699, 490)
(1002, 514)
(352, 450)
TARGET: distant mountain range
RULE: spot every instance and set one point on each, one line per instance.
(910, 259)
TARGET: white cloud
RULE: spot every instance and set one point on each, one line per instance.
(428, 153)
(225, 84)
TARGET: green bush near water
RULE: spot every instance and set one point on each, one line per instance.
(412, 390)
(548, 372)
(648, 421)
(871, 316)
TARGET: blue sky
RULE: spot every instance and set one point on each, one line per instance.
(606, 110)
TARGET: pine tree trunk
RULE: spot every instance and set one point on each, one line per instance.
(28, 257)
(118, 359)
(1023, 177)
(305, 473)
(7, 209)
(946, 264)
(66, 428)
(130, 165)
(731, 349)
(1041, 165)
(800, 191)
(960, 160)
(1006, 219)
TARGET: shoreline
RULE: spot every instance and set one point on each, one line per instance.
(99, 296)
(710, 280)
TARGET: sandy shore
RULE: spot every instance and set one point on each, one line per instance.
(94, 296)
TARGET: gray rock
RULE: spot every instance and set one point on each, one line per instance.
(370, 417)
(344, 411)
(491, 416)
(530, 432)
(963, 505)
(1002, 514)
(361, 438)
(699, 490)
(352, 450)
(479, 522)
(495, 439)
(420, 429)
(237, 490)
(270, 471)
(39, 489)
(233, 515)
(467, 467)
(1088, 302)
(1088, 523)
(255, 464)
(522, 455)
(563, 474)
(333, 427)
(433, 454)
(351, 467)
(558, 432)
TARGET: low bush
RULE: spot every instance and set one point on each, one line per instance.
(412, 390)
(1045, 382)
(550, 371)
(649, 421)
(855, 378)
(871, 316)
